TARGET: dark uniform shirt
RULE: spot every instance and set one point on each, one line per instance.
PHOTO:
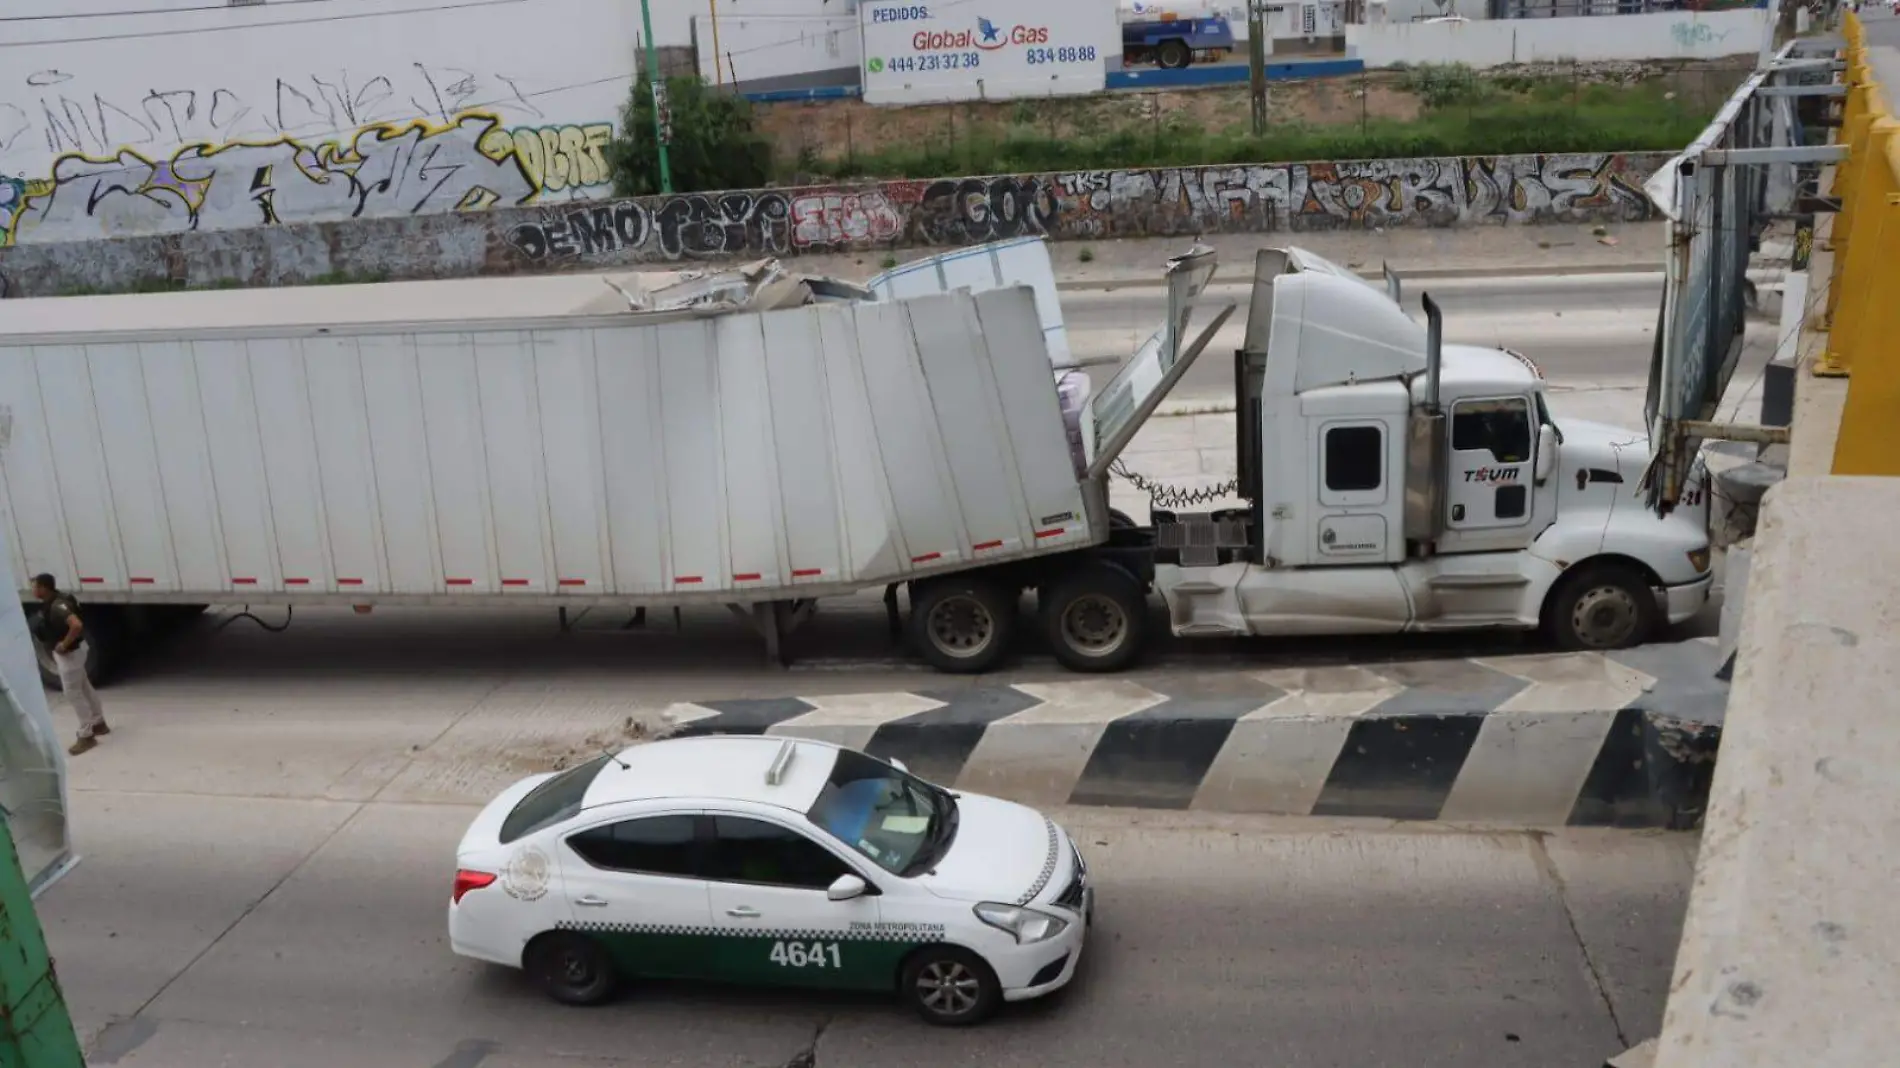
(55, 617)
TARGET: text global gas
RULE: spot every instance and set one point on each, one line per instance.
(985, 37)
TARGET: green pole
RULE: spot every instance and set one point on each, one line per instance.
(35, 1029)
(660, 133)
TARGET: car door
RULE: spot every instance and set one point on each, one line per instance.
(767, 882)
(633, 882)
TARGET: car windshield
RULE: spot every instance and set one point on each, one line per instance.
(898, 820)
(552, 801)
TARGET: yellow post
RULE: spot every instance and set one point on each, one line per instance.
(1869, 441)
(1847, 183)
(1854, 289)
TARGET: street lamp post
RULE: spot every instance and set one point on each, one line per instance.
(662, 112)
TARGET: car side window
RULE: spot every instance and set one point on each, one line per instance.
(652, 845)
(754, 851)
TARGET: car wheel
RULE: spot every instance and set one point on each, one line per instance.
(963, 625)
(1602, 606)
(951, 987)
(1173, 55)
(1095, 618)
(572, 969)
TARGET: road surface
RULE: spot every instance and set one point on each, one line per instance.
(267, 860)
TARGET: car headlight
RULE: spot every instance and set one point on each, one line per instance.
(1027, 925)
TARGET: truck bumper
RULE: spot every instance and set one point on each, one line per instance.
(1681, 603)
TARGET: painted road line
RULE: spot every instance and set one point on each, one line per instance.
(1535, 751)
(1627, 739)
(851, 719)
(1037, 756)
(1277, 758)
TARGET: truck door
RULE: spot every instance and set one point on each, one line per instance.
(1491, 464)
(1355, 493)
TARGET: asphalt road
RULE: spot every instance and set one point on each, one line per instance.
(236, 907)
(1588, 330)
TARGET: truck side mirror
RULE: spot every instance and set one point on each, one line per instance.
(1546, 452)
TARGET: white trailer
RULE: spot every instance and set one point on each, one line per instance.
(558, 442)
(520, 442)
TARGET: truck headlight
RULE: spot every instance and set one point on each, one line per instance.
(1027, 925)
(1699, 559)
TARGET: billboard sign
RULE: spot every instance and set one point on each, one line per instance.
(934, 52)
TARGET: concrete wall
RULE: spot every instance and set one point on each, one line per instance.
(226, 117)
(1678, 35)
(1081, 205)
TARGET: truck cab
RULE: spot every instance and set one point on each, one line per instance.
(1395, 483)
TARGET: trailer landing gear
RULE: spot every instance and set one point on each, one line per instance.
(775, 621)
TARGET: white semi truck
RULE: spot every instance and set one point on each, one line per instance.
(763, 441)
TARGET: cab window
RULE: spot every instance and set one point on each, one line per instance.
(754, 851)
(655, 845)
(1500, 427)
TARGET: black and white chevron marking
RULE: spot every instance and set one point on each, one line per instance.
(1624, 739)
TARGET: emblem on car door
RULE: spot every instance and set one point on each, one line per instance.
(525, 877)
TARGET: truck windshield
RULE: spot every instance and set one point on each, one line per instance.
(898, 820)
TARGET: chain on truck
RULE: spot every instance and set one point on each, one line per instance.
(762, 441)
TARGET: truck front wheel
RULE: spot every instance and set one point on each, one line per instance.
(1095, 617)
(963, 624)
(1601, 606)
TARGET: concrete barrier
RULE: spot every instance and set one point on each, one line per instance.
(1539, 740)
(1073, 205)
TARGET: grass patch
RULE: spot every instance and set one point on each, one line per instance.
(1465, 115)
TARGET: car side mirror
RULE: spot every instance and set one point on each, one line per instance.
(1546, 453)
(846, 888)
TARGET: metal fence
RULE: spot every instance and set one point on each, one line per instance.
(1749, 168)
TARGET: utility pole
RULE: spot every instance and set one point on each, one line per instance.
(662, 111)
(1257, 63)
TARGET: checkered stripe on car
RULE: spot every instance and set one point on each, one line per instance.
(786, 934)
(1048, 863)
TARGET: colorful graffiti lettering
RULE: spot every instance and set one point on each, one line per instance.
(829, 220)
(406, 168)
(661, 228)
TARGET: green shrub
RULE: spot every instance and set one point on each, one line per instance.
(714, 144)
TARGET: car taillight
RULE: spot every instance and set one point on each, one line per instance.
(466, 880)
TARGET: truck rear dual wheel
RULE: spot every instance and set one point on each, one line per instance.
(1173, 55)
(1095, 617)
(963, 624)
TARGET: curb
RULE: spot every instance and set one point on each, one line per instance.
(1416, 273)
(1566, 739)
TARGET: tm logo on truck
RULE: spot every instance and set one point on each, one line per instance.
(1492, 474)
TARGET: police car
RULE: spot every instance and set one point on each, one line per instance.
(773, 861)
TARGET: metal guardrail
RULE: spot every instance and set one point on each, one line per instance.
(1863, 300)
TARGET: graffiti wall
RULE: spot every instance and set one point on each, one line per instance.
(1264, 198)
(492, 167)
(274, 115)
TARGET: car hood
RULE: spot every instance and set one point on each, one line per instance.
(1003, 852)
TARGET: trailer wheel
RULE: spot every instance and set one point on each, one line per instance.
(1095, 617)
(1173, 55)
(1601, 606)
(963, 625)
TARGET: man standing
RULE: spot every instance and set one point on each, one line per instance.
(62, 631)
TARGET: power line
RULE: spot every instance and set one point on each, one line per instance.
(190, 30)
(143, 11)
